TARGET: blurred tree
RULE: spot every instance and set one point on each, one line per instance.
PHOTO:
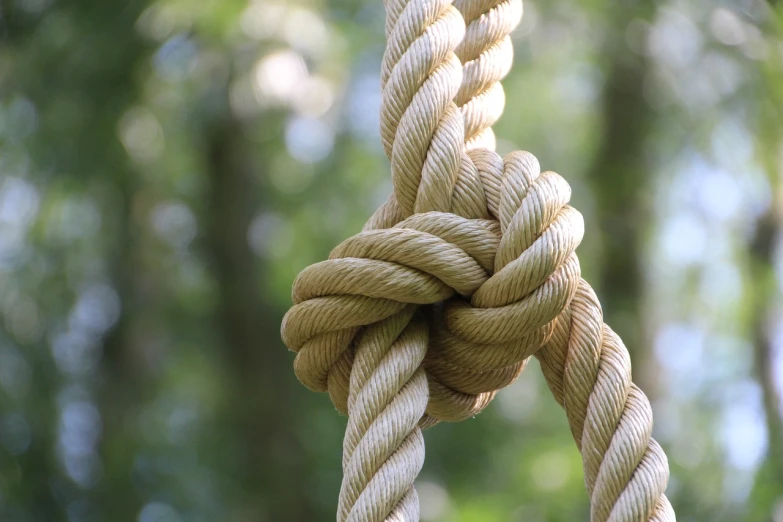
(258, 405)
(764, 310)
(766, 496)
(168, 166)
(76, 62)
(620, 176)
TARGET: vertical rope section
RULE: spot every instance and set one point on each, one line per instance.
(422, 134)
(383, 449)
(486, 53)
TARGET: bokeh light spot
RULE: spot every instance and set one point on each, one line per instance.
(434, 500)
(309, 140)
(278, 77)
(158, 512)
(175, 223)
(270, 236)
(727, 27)
(141, 134)
(551, 470)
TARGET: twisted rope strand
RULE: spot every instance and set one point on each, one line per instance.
(383, 449)
(588, 369)
(487, 54)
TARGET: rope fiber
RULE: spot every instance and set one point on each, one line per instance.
(466, 271)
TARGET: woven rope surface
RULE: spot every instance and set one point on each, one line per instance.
(466, 272)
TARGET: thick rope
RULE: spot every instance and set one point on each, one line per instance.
(383, 449)
(464, 273)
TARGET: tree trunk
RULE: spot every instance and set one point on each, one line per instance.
(620, 181)
(258, 405)
(766, 493)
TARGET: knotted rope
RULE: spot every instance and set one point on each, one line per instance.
(465, 272)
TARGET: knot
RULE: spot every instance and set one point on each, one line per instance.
(465, 272)
(488, 280)
(478, 248)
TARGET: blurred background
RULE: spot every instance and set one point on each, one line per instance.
(167, 167)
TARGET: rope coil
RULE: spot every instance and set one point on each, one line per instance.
(464, 273)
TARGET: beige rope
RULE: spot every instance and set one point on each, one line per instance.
(464, 273)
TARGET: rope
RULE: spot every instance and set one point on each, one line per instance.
(464, 273)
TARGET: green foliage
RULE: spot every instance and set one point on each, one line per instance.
(167, 167)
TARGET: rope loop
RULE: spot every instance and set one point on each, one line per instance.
(489, 298)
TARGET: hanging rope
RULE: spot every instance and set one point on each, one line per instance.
(464, 273)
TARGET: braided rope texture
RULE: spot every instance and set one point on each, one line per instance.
(466, 271)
